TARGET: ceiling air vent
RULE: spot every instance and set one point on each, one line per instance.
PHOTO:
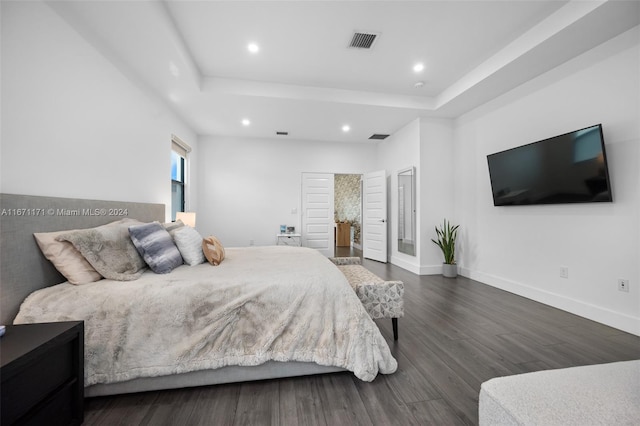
(363, 40)
(378, 136)
(282, 133)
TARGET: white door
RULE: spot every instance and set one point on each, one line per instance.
(374, 213)
(317, 212)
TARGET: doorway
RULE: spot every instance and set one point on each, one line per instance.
(319, 215)
(348, 214)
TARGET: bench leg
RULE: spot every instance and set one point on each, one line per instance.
(394, 321)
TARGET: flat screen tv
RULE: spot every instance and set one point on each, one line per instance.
(569, 168)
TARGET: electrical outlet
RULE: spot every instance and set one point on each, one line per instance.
(623, 285)
(564, 272)
(250, 242)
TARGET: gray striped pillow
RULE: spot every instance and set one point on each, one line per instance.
(156, 247)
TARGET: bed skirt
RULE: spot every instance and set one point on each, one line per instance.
(230, 374)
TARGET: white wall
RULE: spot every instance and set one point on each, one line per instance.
(521, 248)
(72, 124)
(397, 152)
(436, 202)
(427, 144)
(248, 187)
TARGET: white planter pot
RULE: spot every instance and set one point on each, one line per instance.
(449, 271)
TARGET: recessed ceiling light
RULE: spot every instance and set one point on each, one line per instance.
(245, 122)
(419, 67)
(253, 48)
(346, 128)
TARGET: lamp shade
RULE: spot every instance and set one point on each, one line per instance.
(188, 218)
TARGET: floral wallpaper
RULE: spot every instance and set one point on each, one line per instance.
(347, 202)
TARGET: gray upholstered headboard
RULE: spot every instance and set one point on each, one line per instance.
(23, 268)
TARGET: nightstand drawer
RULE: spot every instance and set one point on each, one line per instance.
(289, 240)
(42, 374)
(54, 411)
(37, 379)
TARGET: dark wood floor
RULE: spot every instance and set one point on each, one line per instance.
(457, 333)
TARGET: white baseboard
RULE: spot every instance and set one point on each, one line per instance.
(411, 267)
(431, 270)
(599, 314)
(416, 269)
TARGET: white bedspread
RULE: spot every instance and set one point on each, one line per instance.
(260, 304)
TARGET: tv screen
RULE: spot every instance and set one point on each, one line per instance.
(569, 168)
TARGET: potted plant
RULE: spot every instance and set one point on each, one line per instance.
(447, 243)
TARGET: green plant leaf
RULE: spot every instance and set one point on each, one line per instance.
(446, 240)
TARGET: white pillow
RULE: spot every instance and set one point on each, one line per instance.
(189, 242)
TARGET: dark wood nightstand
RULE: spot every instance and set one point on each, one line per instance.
(42, 374)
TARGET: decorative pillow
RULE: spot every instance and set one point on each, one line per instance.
(156, 246)
(213, 250)
(108, 248)
(189, 242)
(67, 260)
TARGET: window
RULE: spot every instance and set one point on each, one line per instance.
(179, 152)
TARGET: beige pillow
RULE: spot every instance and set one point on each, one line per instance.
(213, 250)
(67, 260)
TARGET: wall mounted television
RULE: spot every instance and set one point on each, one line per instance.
(569, 168)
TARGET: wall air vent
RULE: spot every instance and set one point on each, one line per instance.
(282, 133)
(378, 136)
(363, 40)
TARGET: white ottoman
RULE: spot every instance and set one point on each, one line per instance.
(604, 394)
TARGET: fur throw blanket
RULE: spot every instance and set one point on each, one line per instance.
(260, 304)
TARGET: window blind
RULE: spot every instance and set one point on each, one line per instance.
(179, 147)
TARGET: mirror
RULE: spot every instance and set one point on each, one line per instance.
(407, 211)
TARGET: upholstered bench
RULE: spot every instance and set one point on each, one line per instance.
(380, 298)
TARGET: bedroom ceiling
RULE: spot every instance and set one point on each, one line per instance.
(305, 80)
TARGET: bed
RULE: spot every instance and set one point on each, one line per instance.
(254, 316)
